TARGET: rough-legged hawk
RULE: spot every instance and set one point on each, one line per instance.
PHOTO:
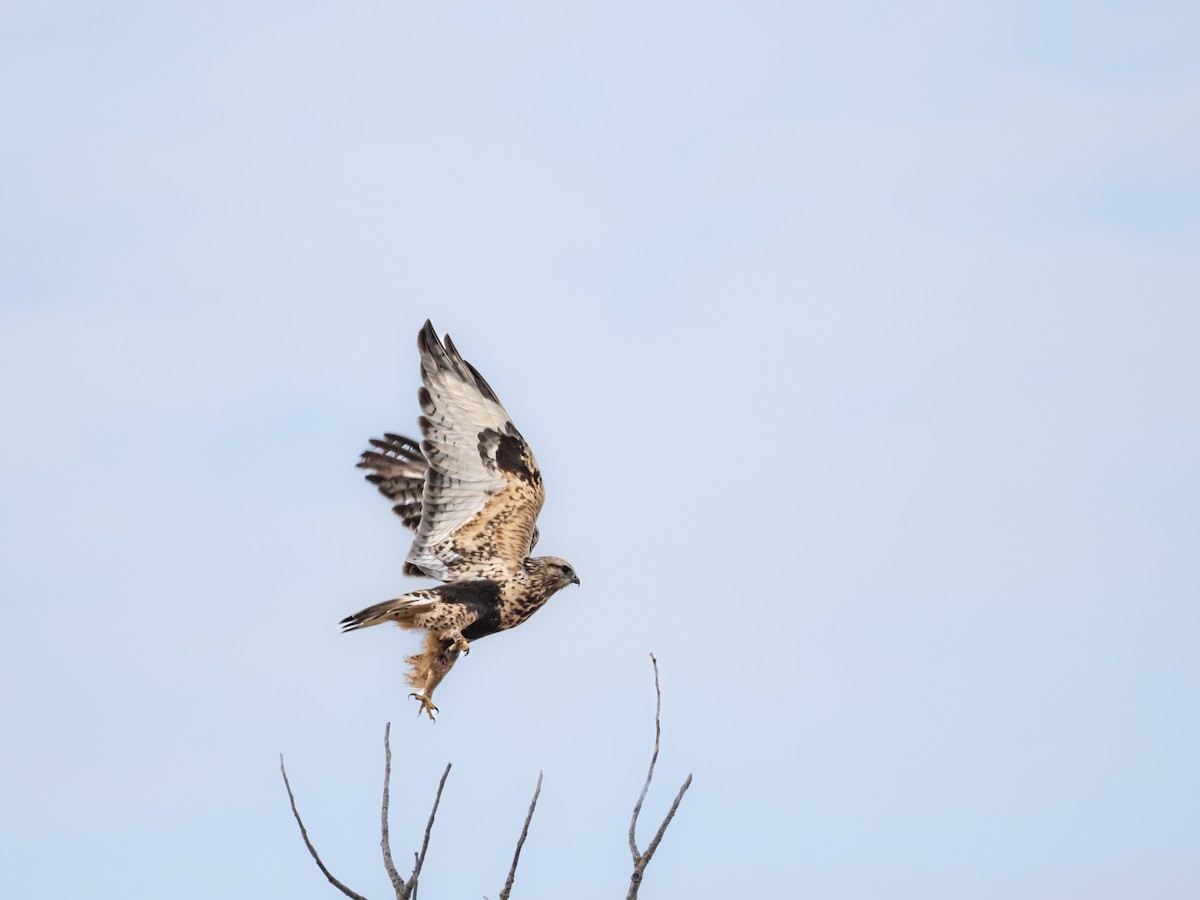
(472, 493)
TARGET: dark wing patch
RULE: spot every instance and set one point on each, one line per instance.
(512, 455)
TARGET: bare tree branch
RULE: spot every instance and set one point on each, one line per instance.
(384, 842)
(637, 807)
(307, 843)
(410, 889)
(407, 890)
(666, 821)
(641, 860)
(512, 872)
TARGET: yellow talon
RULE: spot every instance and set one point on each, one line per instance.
(459, 643)
(427, 706)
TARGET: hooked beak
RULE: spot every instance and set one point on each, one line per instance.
(574, 579)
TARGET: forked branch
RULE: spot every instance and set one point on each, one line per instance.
(641, 860)
(405, 890)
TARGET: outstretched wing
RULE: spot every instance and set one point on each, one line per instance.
(398, 470)
(483, 490)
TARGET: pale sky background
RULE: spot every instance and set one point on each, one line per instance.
(858, 344)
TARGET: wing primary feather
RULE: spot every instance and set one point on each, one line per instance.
(482, 488)
(397, 469)
(468, 372)
(484, 387)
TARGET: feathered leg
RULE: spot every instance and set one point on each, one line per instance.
(429, 668)
(443, 623)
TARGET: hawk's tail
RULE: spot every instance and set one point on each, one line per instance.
(402, 611)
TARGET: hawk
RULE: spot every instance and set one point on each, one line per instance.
(472, 491)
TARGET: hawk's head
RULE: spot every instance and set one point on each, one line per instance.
(550, 572)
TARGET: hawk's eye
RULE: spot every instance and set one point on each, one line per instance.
(566, 570)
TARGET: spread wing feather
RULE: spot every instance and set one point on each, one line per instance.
(397, 468)
(483, 490)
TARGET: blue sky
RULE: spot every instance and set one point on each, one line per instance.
(858, 349)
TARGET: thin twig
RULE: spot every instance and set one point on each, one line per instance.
(512, 873)
(307, 843)
(637, 807)
(384, 842)
(410, 892)
(641, 860)
(667, 821)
